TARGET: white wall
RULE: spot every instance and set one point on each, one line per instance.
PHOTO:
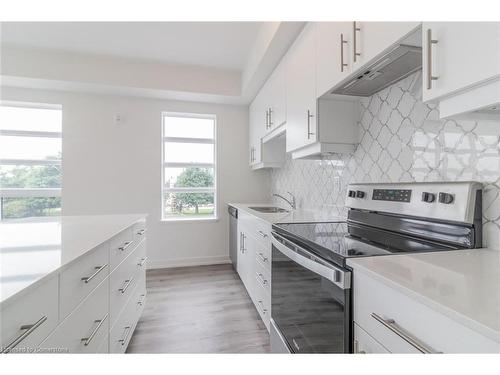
(113, 168)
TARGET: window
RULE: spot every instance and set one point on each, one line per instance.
(30, 160)
(189, 167)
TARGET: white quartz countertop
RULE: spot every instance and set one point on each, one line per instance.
(463, 284)
(32, 250)
(293, 216)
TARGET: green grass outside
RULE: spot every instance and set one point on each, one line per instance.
(190, 212)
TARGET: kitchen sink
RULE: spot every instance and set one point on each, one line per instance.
(269, 210)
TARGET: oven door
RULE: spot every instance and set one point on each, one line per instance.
(310, 300)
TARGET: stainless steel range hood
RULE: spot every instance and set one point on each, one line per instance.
(398, 63)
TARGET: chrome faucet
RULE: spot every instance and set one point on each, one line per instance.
(291, 201)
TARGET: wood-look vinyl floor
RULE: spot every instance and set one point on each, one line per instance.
(203, 309)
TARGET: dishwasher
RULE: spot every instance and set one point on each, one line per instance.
(233, 235)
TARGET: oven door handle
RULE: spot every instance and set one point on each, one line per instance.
(339, 277)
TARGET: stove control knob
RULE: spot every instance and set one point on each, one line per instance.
(446, 198)
(428, 197)
(352, 194)
(360, 194)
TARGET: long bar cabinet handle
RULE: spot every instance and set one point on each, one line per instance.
(342, 42)
(395, 328)
(127, 329)
(88, 340)
(98, 269)
(29, 329)
(126, 285)
(355, 29)
(430, 76)
(125, 245)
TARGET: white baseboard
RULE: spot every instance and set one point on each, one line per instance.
(187, 262)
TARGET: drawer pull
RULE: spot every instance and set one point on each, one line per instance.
(88, 340)
(29, 329)
(89, 278)
(143, 260)
(264, 235)
(126, 285)
(127, 331)
(141, 232)
(261, 279)
(395, 328)
(141, 302)
(125, 245)
(261, 304)
(261, 256)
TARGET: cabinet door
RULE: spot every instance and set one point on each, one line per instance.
(246, 260)
(373, 38)
(301, 91)
(463, 54)
(256, 130)
(275, 97)
(334, 57)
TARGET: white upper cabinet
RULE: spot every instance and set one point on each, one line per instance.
(274, 98)
(460, 57)
(373, 38)
(261, 122)
(334, 54)
(256, 130)
(344, 47)
(301, 90)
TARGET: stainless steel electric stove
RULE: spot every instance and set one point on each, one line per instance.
(311, 284)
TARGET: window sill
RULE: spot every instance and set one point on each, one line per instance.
(182, 221)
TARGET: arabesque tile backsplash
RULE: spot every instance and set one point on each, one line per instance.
(402, 139)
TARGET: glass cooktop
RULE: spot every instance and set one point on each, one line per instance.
(337, 241)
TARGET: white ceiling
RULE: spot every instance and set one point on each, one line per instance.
(225, 45)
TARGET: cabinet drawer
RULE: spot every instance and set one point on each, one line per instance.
(139, 231)
(263, 256)
(364, 343)
(28, 320)
(124, 279)
(263, 233)
(121, 246)
(81, 278)
(402, 324)
(86, 328)
(121, 332)
(262, 303)
(263, 278)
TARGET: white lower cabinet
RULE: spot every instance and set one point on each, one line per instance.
(90, 306)
(86, 328)
(401, 324)
(78, 280)
(365, 344)
(121, 332)
(254, 262)
(26, 321)
(123, 281)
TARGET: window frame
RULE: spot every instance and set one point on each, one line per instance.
(27, 192)
(164, 189)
